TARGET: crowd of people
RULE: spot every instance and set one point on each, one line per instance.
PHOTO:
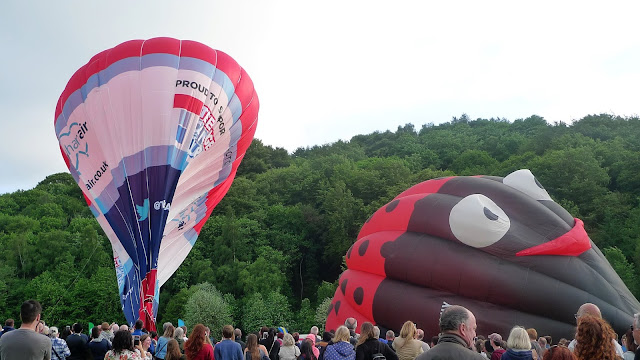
(594, 339)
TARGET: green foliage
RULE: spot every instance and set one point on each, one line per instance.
(623, 267)
(321, 313)
(207, 306)
(272, 311)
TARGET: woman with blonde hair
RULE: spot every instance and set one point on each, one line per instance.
(518, 345)
(161, 348)
(341, 348)
(406, 345)
(288, 350)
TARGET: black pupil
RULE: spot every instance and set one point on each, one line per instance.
(490, 215)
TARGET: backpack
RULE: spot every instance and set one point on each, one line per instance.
(378, 355)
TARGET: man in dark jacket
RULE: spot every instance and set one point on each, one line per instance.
(8, 326)
(458, 328)
(78, 344)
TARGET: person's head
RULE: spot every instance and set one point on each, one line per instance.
(138, 324)
(376, 332)
(169, 331)
(95, 332)
(533, 334)
(54, 332)
(30, 312)
(408, 331)
(628, 340)
(165, 325)
(178, 334)
(326, 336)
(548, 337)
(115, 328)
(296, 336)
(458, 320)
(145, 340)
(314, 330)
(518, 339)
(366, 332)
(558, 352)
(227, 332)
(594, 339)
(124, 327)
(563, 342)
(122, 340)
(306, 349)
(351, 324)
(588, 309)
(9, 322)
(252, 346)
(542, 342)
(434, 341)
(238, 333)
(390, 335)
(77, 328)
(197, 338)
(287, 340)
(496, 340)
(488, 347)
(184, 329)
(420, 334)
(173, 350)
(342, 334)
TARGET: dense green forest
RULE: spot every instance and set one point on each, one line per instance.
(273, 249)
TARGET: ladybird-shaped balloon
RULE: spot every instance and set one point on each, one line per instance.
(501, 247)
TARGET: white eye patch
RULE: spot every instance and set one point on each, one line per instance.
(477, 221)
(524, 181)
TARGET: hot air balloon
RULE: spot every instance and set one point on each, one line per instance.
(153, 132)
(500, 247)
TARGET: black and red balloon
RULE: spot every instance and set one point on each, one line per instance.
(501, 247)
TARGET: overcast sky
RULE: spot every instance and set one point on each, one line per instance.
(328, 70)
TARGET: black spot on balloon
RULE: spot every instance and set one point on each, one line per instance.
(349, 252)
(358, 295)
(343, 286)
(330, 308)
(490, 215)
(362, 249)
(337, 307)
(538, 183)
(392, 205)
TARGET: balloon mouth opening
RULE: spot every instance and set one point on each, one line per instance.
(573, 243)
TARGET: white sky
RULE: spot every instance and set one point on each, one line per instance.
(328, 70)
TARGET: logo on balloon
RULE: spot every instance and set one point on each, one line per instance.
(143, 211)
(74, 143)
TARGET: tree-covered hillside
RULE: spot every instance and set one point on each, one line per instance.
(276, 241)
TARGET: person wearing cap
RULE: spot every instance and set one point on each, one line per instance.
(59, 348)
(496, 343)
(458, 330)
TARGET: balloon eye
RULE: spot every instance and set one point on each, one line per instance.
(477, 221)
(524, 181)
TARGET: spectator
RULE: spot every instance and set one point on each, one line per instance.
(376, 334)
(122, 347)
(253, 351)
(143, 347)
(169, 330)
(25, 343)
(542, 341)
(306, 351)
(559, 352)
(173, 351)
(227, 348)
(272, 345)
(593, 339)
(8, 326)
(314, 331)
(59, 348)
(77, 343)
(288, 350)
(238, 334)
(420, 338)
(352, 325)
(533, 338)
(106, 332)
(368, 345)
(519, 345)
(197, 346)
(406, 346)
(496, 349)
(138, 328)
(341, 348)
(434, 341)
(630, 345)
(124, 327)
(98, 345)
(458, 329)
(179, 336)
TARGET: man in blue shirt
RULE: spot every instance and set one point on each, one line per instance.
(227, 349)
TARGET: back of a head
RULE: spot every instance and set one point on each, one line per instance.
(390, 335)
(376, 332)
(29, 311)
(53, 331)
(227, 331)
(589, 309)
(420, 333)
(178, 333)
(237, 332)
(558, 352)
(169, 331)
(342, 334)
(594, 339)
(77, 328)
(105, 326)
(314, 330)
(122, 340)
(287, 340)
(95, 332)
(518, 339)
(139, 324)
(9, 322)
(408, 331)
(366, 332)
(351, 323)
(452, 317)
(533, 334)
(173, 350)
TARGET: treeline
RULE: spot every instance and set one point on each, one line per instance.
(273, 249)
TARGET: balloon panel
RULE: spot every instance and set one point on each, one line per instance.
(498, 246)
(153, 132)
